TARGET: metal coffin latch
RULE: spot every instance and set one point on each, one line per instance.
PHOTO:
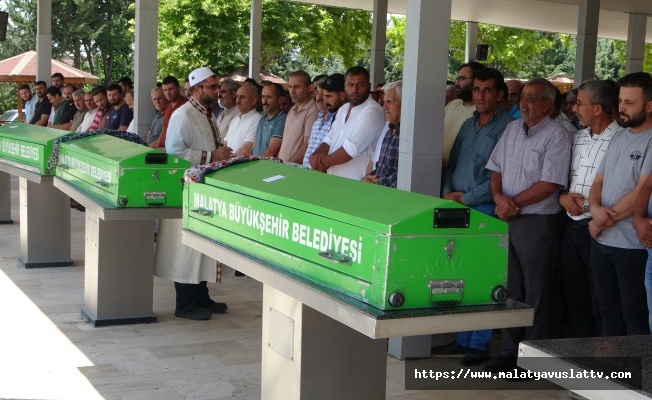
(446, 292)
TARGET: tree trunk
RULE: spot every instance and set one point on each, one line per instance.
(89, 56)
(270, 58)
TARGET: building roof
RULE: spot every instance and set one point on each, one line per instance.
(22, 68)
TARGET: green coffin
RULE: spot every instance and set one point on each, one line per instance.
(386, 247)
(122, 173)
(28, 146)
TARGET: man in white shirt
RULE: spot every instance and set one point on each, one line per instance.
(227, 96)
(29, 101)
(90, 114)
(242, 132)
(349, 146)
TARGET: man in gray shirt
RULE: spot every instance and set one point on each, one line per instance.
(617, 258)
(530, 166)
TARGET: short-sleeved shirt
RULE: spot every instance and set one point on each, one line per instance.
(267, 129)
(525, 156)
(298, 124)
(43, 107)
(320, 129)
(155, 127)
(242, 129)
(628, 156)
(122, 116)
(587, 155)
(454, 116)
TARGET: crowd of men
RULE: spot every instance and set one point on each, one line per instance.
(569, 174)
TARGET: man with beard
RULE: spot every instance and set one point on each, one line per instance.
(65, 110)
(29, 101)
(348, 147)
(594, 107)
(460, 109)
(119, 114)
(43, 107)
(170, 86)
(102, 102)
(617, 257)
(300, 118)
(329, 97)
(192, 135)
(530, 166)
(269, 133)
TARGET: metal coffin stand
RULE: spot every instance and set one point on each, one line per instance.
(318, 343)
(119, 267)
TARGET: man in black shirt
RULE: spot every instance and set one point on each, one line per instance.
(43, 106)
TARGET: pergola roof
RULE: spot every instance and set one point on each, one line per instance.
(541, 15)
(22, 68)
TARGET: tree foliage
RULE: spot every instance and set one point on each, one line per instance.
(194, 33)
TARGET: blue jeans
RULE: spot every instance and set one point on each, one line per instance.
(648, 284)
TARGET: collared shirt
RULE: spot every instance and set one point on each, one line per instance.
(563, 119)
(167, 114)
(78, 119)
(525, 156)
(472, 148)
(387, 166)
(267, 129)
(64, 113)
(587, 155)
(155, 127)
(30, 108)
(357, 135)
(514, 112)
(242, 129)
(223, 121)
(298, 124)
(88, 120)
(319, 130)
(454, 116)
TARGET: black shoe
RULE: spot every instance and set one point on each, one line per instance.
(195, 314)
(449, 349)
(474, 357)
(214, 307)
(504, 363)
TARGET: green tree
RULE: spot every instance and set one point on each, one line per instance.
(187, 32)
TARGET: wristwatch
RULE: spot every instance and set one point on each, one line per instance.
(586, 208)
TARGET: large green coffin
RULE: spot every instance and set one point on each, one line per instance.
(122, 173)
(28, 146)
(389, 248)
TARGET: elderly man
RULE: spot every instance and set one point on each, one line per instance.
(90, 114)
(192, 135)
(530, 166)
(242, 132)
(269, 132)
(348, 147)
(468, 182)
(385, 172)
(155, 128)
(227, 96)
(460, 109)
(119, 114)
(29, 101)
(300, 118)
(331, 87)
(560, 117)
(80, 104)
(170, 86)
(617, 257)
(595, 102)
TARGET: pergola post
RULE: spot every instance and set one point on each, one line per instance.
(145, 68)
(378, 42)
(587, 40)
(43, 40)
(471, 41)
(635, 43)
(255, 35)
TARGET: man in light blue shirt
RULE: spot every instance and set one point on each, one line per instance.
(29, 101)
(269, 133)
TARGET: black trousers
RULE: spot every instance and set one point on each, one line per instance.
(532, 258)
(191, 295)
(579, 286)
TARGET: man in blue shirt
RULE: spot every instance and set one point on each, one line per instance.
(269, 133)
(120, 115)
(466, 181)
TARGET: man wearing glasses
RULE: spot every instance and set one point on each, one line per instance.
(192, 135)
(461, 109)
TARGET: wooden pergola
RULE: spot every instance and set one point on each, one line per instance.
(22, 69)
